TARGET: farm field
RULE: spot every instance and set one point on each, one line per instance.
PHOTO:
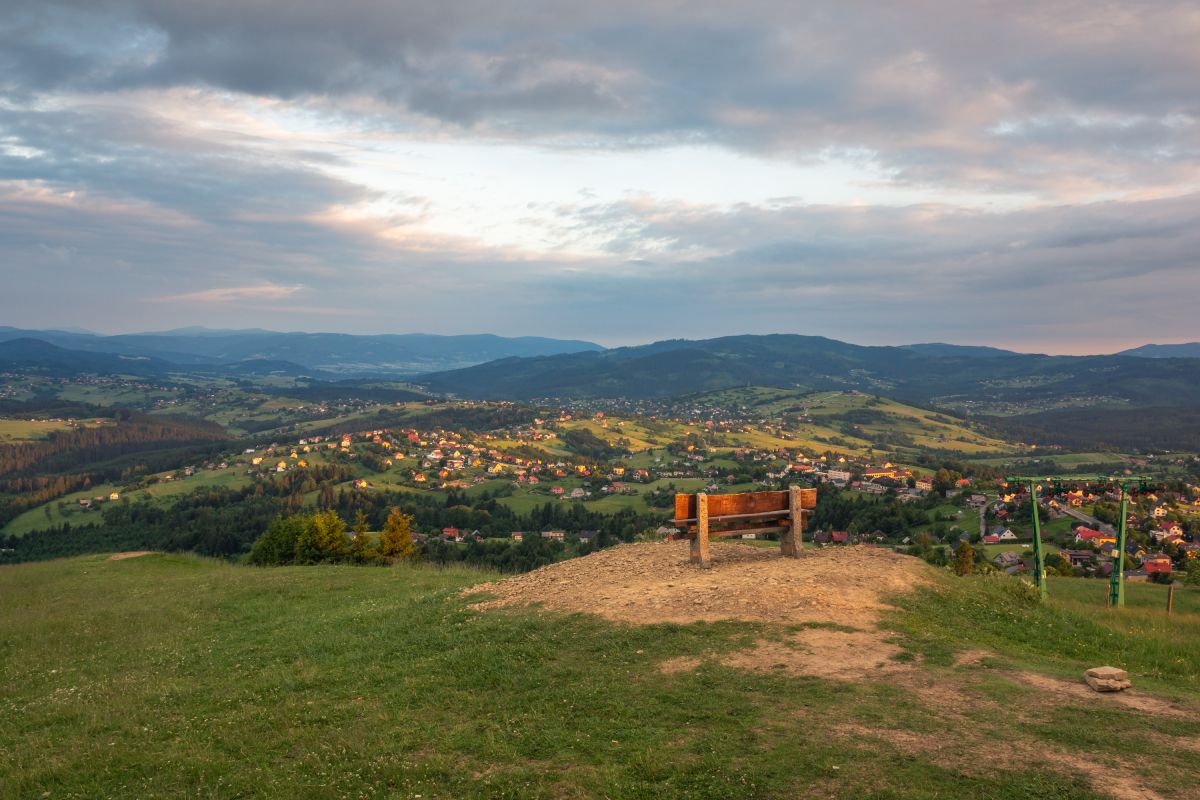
(25, 430)
(880, 417)
(1024, 548)
(152, 676)
(54, 514)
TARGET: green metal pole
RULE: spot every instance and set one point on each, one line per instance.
(1116, 585)
(1039, 561)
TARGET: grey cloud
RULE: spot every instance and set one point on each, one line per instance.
(921, 246)
(127, 153)
(1052, 99)
(919, 85)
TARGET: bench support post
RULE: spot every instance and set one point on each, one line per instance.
(700, 541)
(792, 542)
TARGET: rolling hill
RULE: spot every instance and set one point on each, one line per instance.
(343, 354)
(24, 353)
(1189, 350)
(27, 354)
(163, 676)
(1004, 384)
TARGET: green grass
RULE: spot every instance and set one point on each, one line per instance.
(1069, 632)
(67, 508)
(24, 430)
(170, 676)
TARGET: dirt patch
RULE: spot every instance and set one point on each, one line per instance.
(1078, 690)
(822, 653)
(972, 658)
(1113, 778)
(130, 554)
(654, 583)
(673, 666)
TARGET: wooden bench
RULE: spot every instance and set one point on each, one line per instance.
(704, 517)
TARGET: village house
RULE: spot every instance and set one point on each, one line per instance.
(1157, 564)
(1092, 536)
(1078, 558)
(1171, 528)
(1005, 560)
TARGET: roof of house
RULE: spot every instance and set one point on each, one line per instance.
(1086, 534)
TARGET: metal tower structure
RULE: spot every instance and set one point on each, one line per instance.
(1129, 486)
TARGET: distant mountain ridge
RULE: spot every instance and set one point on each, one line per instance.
(1188, 350)
(959, 350)
(333, 353)
(34, 354)
(677, 367)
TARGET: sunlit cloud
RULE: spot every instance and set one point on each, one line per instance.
(923, 171)
(232, 294)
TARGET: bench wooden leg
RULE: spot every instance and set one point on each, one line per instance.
(792, 543)
(700, 540)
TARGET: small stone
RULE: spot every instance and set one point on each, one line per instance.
(1108, 673)
(1107, 679)
(1105, 685)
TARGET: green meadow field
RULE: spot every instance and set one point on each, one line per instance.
(172, 676)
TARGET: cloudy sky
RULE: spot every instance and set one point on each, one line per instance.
(1018, 174)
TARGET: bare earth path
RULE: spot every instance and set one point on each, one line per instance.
(130, 554)
(654, 583)
(651, 583)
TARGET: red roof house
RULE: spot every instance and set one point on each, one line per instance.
(1155, 564)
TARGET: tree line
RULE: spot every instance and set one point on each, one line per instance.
(321, 537)
(133, 432)
(225, 522)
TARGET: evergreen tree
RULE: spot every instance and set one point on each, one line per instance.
(362, 549)
(396, 542)
(323, 538)
(331, 535)
(964, 559)
(277, 545)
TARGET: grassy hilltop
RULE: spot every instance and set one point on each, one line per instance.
(172, 676)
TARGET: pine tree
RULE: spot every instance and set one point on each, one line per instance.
(308, 545)
(362, 549)
(331, 536)
(277, 545)
(964, 559)
(396, 542)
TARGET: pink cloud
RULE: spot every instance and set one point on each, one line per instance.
(232, 294)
